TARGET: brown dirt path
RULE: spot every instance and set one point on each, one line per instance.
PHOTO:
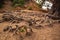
(44, 33)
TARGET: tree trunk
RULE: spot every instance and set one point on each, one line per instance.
(55, 10)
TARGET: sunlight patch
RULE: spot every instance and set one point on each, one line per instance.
(47, 5)
(38, 1)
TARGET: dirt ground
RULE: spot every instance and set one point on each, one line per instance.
(48, 30)
(42, 26)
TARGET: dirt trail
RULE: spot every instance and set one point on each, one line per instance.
(46, 32)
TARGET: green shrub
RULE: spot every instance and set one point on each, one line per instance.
(18, 3)
(29, 8)
(22, 30)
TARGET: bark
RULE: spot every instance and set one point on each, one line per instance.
(55, 10)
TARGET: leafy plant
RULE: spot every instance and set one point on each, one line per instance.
(30, 8)
(22, 30)
(18, 3)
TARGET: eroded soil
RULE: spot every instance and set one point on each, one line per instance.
(42, 26)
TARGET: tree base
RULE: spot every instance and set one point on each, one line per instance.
(53, 17)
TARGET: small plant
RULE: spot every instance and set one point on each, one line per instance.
(22, 30)
(18, 3)
(29, 8)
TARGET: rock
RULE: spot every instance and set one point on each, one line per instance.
(7, 28)
(14, 28)
(58, 21)
(49, 25)
(1, 21)
(31, 22)
(38, 26)
(23, 23)
(7, 17)
(29, 32)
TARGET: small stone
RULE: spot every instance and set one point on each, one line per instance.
(1, 21)
(38, 26)
(13, 27)
(7, 17)
(7, 28)
(58, 21)
(29, 32)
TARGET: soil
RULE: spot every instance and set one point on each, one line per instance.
(46, 31)
(43, 27)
